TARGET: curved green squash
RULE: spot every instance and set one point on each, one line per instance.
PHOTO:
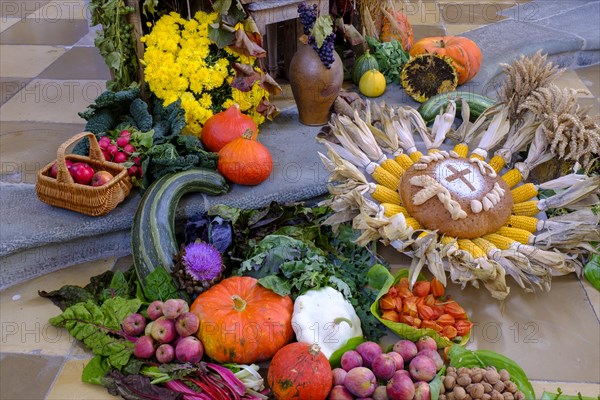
(153, 240)
(364, 63)
(438, 103)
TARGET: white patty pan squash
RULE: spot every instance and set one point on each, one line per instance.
(325, 317)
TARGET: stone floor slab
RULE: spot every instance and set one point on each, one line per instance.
(27, 61)
(78, 63)
(590, 76)
(583, 21)
(27, 376)
(7, 22)
(45, 32)
(25, 315)
(68, 385)
(48, 100)
(539, 9)
(11, 86)
(20, 8)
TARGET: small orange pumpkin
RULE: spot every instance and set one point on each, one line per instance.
(242, 322)
(245, 161)
(405, 36)
(300, 371)
(224, 127)
(465, 54)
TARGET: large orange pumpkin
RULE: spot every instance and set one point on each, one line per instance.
(300, 371)
(226, 126)
(405, 36)
(465, 53)
(242, 322)
(245, 161)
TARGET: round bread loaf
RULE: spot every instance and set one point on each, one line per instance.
(459, 197)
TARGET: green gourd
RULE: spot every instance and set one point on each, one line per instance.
(364, 63)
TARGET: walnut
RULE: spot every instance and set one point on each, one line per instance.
(449, 382)
(496, 395)
(463, 380)
(487, 396)
(487, 388)
(476, 377)
(450, 396)
(463, 370)
(492, 376)
(511, 387)
(508, 396)
(475, 390)
(519, 395)
(460, 393)
(442, 387)
(504, 375)
(499, 386)
(442, 397)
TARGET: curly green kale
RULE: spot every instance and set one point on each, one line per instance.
(140, 115)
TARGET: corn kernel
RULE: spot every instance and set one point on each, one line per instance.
(512, 177)
(462, 150)
(523, 222)
(497, 163)
(524, 192)
(527, 208)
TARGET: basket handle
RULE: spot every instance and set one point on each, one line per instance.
(95, 154)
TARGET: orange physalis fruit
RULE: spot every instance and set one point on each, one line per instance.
(407, 319)
(387, 302)
(393, 292)
(421, 288)
(445, 319)
(437, 289)
(437, 312)
(455, 310)
(449, 331)
(430, 300)
(431, 325)
(404, 292)
(425, 312)
(410, 306)
(391, 315)
(398, 304)
(463, 327)
(403, 283)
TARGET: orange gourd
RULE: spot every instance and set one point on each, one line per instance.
(465, 54)
(224, 127)
(405, 36)
(245, 161)
(243, 322)
(300, 371)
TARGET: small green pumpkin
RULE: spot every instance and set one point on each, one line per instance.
(364, 63)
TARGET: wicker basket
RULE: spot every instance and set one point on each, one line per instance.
(63, 192)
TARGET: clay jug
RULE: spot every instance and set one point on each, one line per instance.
(314, 86)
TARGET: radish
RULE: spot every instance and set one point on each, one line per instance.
(123, 141)
(120, 157)
(129, 149)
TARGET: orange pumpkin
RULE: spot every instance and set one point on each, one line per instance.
(300, 371)
(465, 53)
(245, 161)
(242, 322)
(224, 127)
(405, 36)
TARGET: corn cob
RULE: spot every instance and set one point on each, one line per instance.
(430, 151)
(470, 247)
(446, 240)
(392, 167)
(497, 163)
(520, 235)
(415, 156)
(390, 209)
(462, 150)
(512, 177)
(485, 245)
(523, 222)
(477, 156)
(413, 223)
(527, 208)
(404, 161)
(385, 195)
(524, 192)
(422, 234)
(385, 178)
(501, 242)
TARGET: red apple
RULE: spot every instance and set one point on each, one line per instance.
(82, 173)
(134, 324)
(101, 178)
(163, 330)
(144, 347)
(173, 308)
(187, 324)
(54, 169)
(189, 349)
(155, 310)
(165, 353)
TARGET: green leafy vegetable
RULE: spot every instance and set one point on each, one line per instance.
(136, 387)
(390, 57)
(99, 327)
(461, 357)
(560, 396)
(95, 370)
(159, 285)
(436, 384)
(591, 270)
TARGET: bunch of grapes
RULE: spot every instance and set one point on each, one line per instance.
(325, 52)
(308, 16)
